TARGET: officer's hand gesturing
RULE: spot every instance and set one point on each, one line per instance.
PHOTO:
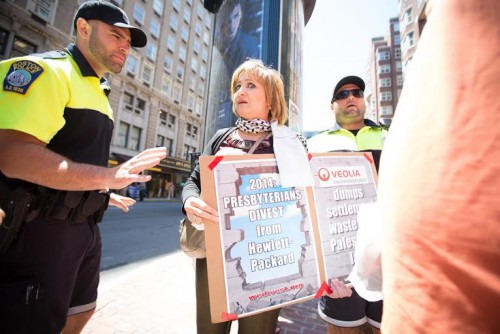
(129, 171)
(121, 202)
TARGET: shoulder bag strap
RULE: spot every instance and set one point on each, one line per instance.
(258, 141)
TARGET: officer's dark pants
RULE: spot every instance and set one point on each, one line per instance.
(51, 271)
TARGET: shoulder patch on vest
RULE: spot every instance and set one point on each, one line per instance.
(21, 75)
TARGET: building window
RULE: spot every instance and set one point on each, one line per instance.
(177, 93)
(395, 27)
(204, 55)
(186, 154)
(194, 65)
(140, 106)
(385, 82)
(139, 13)
(154, 28)
(408, 41)
(199, 11)
(171, 43)
(147, 74)
(128, 101)
(158, 7)
(197, 29)
(400, 80)
(133, 104)
(386, 96)
(399, 67)
(384, 55)
(132, 64)
(184, 34)
(21, 47)
(176, 4)
(187, 150)
(166, 85)
(196, 46)
(162, 116)
(397, 39)
(160, 141)
(411, 38)
(151, 51)
(171, 121)
(123, 132)
(168, 63)
(198, 107)
(201, 89)
(173, 22)
(203, 71)
(186, 15)
(397, 53)
(169, 143)
(386, 110)
(208, 21)
(408, 16)
(384, 69)
(44, 9)
(180, 73)
(182, 53)
(206, 38)
(190, 102)
(189, 2)
(135, 138)
(192, 83)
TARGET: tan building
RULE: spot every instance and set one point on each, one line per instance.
(412, 18)
(159, 99)
(384, 79)
(390, 58)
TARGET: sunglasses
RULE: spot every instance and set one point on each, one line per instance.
(344, 94)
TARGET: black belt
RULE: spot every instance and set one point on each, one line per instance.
(75, 206)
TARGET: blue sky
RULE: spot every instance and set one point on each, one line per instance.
(337, 42)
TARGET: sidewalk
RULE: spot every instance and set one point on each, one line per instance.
(157, 297)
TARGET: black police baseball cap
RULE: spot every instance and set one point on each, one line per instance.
(351, 79)
(108, 13)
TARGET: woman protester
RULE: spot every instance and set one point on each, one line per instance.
(259, 101)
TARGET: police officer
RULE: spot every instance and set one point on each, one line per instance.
(344, 310)
(55, 131)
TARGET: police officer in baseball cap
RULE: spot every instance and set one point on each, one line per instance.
(110, 14)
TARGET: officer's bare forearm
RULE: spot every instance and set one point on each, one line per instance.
(25, 157)
(33, 162)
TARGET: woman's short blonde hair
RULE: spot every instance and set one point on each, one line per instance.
(271, 80)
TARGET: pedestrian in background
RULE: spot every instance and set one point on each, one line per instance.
(171, 190)
(345, 310)
(259, 102)
(439, 179)
(55, 131)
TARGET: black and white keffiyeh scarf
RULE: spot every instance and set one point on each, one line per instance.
(257, 125)
(253, 125)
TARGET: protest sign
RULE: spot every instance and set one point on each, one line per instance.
(269, 248)
(343, 182)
